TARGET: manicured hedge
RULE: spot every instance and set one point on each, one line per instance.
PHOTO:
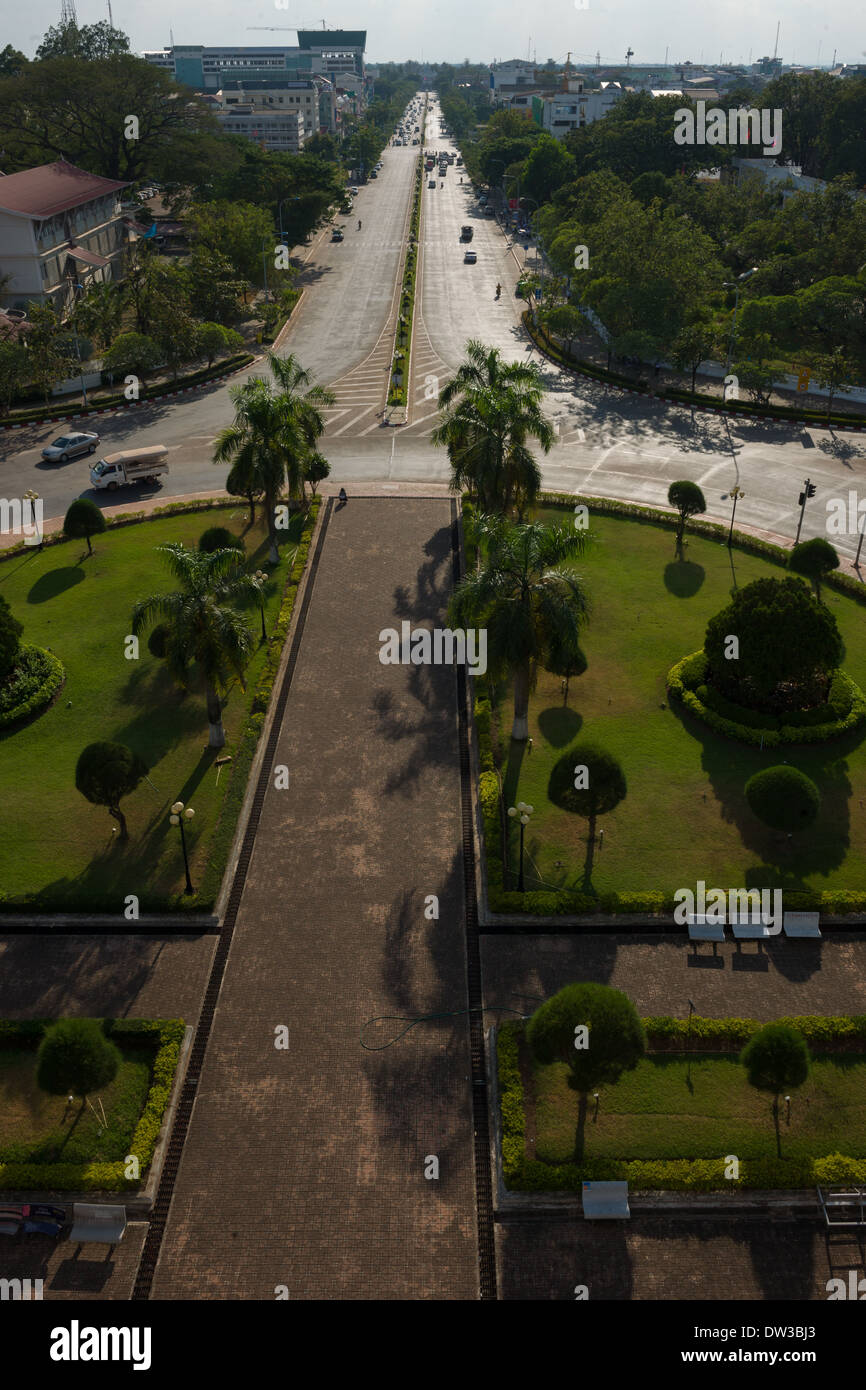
(523, 1174)
(399, 395)
(540, 336)
(686, 685)
(165, 1036)
(42, 676)
(54, 409)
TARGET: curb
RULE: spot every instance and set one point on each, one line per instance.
(686, 405)
(106, 924)
(132, 405)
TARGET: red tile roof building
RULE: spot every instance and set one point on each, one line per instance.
(59, 227)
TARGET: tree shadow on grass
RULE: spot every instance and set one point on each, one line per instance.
(559, 724)
(785, 862)
(55, 582)
(683, 578)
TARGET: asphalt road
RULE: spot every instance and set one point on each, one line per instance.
(608, 443)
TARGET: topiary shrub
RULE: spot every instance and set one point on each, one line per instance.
(219, 538)
(10, 638)
(783, 798)
(83, 520)
(105, 773)
(75, 1056)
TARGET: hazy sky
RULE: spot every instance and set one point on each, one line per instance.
(452, 30)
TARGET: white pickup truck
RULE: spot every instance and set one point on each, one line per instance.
(130, 466)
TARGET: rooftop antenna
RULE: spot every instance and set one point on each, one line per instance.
(598, 60)
(67, 13)
(667, 51)
(110, 16)
(628, 57)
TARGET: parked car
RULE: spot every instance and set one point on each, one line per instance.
(373, 174)
(130, 466)
(70, 446)
(470, 258)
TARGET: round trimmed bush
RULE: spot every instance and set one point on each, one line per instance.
(75, 1056)
(219, 538)
(783, 798)
(10, 638)
(35, 679)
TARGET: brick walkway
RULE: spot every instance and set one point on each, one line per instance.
(662, 1258)
(661, 973)
(305, 1168)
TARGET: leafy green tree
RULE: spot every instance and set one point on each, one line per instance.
(100, 311)
(756, 378)
(596, 1031)
(783, 797)
(132, 353)
(89, 42)
(175, 333)
(274, 433)
(83, 519)
(212, 339)
(688, 500)
(214, 286)
(203, 625)
(526, 597)
(788, 644)
(218, 538)
(589, 782)
(776, 1059)
(566, 659)
(693, 345)
(46, 362)
(12, 61)
(107, 772)
(566, 322)
(547, 167)
(241, 232)
(10, 638)
(832, 372)
(76, 1058)
(814, 560)
(316, 471)
(243, 480)
(492, 408)
(14, 372)
(63, 108)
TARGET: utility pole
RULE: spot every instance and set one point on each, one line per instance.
(736, 494)
(808, 491)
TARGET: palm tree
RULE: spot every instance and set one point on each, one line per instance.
(526, 598)
(274, 433)
(492, 408)
(202, 627)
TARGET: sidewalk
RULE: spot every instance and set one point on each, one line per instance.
(306, 1167)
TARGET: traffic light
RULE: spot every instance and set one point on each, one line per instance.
(810, 489)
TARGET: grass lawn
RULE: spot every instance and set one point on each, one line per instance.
(62, 851)
(685, 816)
(657, 1112)
(38, 1128)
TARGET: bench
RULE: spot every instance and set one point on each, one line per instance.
(752, 931)
(702, 930)
(93, 1222)
(603, 1200)
(802, 924)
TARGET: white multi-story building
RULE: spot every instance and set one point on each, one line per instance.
(273, 130)
(560, 112)
(275, 94)
(59, 227)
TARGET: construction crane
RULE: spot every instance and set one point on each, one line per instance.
(776, 48)
(273, 28)
(629, 55)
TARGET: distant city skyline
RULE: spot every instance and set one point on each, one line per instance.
(448, 31)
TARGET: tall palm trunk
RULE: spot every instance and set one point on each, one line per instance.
(271, 508)
(216, 732)
(520, 728)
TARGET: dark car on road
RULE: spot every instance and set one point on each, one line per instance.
(466, 233)
(470, 258)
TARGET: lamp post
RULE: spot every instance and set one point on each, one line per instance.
(78, 352)
(33, 497)
(524, 812)
(261, 579)
(735, 285)
(860, 545)
(736, 494)
(179, 814)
